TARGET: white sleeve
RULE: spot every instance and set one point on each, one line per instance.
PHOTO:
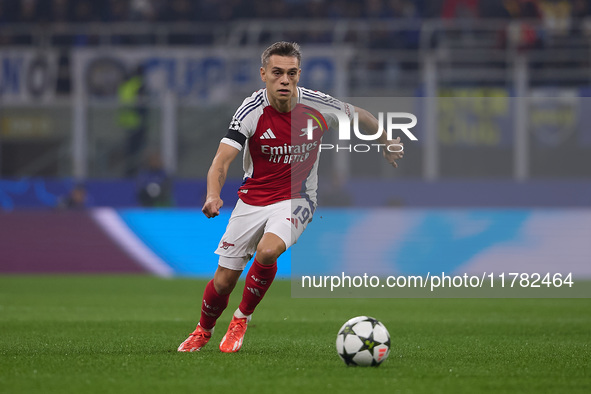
(243, 123)
(327, 105)
(231, 142)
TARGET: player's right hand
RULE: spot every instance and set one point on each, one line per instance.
(212, 206)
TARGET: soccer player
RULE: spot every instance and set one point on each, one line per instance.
(278, 196)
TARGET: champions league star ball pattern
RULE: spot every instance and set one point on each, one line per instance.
(363, 341)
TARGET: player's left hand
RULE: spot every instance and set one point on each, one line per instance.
(394, 150)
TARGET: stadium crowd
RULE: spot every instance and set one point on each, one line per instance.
(562, 19)
(83, 11)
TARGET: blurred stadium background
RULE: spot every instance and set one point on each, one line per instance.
(110, 109)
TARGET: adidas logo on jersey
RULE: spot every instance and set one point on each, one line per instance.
(268, 135)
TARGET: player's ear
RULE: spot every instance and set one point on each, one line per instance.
(263, 76)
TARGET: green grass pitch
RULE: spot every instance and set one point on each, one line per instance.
(119, 334)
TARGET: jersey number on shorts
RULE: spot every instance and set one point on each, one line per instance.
(304, 215)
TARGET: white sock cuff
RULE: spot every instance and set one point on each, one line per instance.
(203, 328)
(241, 315)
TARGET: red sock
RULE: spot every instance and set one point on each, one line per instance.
(212, 306)
(258, 280)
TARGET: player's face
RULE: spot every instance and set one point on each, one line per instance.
(281, 77)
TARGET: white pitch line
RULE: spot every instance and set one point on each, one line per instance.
(115, 227)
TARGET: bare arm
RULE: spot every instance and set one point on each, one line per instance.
(216, 177)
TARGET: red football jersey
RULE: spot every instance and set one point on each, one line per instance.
(280, 161)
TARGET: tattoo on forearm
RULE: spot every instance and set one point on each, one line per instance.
(221, 177)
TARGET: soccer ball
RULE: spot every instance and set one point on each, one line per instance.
(363, 341)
